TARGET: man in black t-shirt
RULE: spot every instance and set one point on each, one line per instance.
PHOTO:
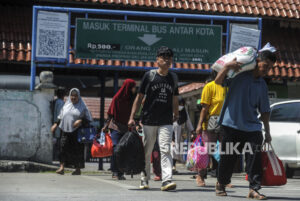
(159, 111)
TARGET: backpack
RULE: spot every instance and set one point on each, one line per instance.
(129, 154)
(152, 74)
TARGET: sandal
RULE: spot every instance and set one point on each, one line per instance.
(220, 190)
(254, 194)
(60, 171)
(200, 182)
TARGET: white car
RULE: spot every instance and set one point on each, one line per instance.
(285, 132)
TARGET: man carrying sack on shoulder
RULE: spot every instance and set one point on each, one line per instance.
(247, 95)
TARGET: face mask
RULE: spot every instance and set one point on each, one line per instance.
(180, 107)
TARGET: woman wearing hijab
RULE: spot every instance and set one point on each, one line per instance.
(71, 117)
(118, 113)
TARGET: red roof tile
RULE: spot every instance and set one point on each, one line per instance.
(190, 87)
(290, 73)
(276, 8)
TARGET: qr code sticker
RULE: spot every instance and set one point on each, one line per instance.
(51, 43)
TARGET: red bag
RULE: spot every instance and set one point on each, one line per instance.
(105, 150)
(273, 170)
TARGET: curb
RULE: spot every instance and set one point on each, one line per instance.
(25, 166)
(35, 167)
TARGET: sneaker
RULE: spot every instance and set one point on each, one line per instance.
(168, 185)
(144, 185)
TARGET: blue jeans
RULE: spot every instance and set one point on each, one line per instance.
(115, 137)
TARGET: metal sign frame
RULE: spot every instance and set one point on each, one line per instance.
(47, 62)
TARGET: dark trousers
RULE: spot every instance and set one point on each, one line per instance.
(253, 162)
(56, 149)
(115, 137)
(71, 151)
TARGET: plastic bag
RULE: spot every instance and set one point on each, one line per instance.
(216, 155)
(197, 157)
(129, 154)
(101, 140)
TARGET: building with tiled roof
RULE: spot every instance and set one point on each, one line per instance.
(280, 17)
(281, 27)
(268, 8)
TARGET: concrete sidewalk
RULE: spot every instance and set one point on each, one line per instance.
(97, 185)
(93, 186)
(29, 166)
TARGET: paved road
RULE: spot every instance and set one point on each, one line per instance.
(101, 187)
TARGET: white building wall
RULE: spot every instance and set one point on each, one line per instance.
(25, 121)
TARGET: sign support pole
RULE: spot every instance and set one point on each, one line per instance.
(102, 107)
(33, 65)
(260, 28)
(102, 101)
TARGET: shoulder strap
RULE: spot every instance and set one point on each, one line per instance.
(152, 74)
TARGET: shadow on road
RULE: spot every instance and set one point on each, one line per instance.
(198, 190)
(151, 189)
(282, 198)
(269, 197)
(174, 191)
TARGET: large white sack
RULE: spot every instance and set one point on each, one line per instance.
(244, 55)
